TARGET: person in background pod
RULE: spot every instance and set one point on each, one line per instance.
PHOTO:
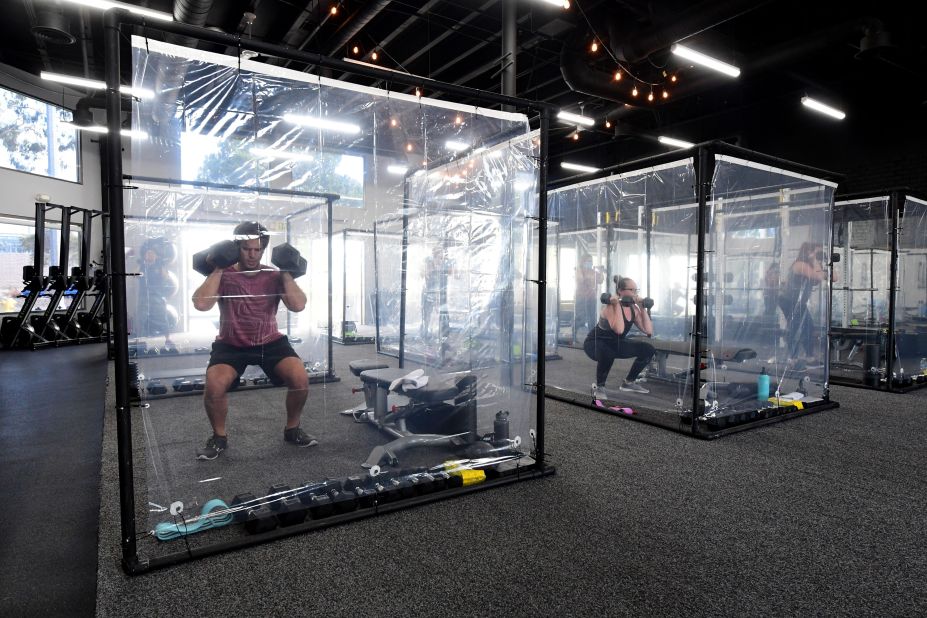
(588, 280)
(248, 294)
(155, 286)
(608, 339)
(806, 272)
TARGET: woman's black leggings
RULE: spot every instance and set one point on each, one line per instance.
(799, 327)
(605, 349)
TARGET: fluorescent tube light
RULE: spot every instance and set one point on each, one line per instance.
(575, 118)
(707, 61)
(576, 167)
(399, 170)
(97, 128)
(272, 153)
(672, 141)
(323, 123)
(105, 5)
(94, 84)
(455, 145)
(817, 106)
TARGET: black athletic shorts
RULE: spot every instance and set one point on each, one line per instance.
(265, 356)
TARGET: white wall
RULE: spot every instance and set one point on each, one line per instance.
(19, 188)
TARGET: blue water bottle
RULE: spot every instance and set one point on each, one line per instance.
(762, 386)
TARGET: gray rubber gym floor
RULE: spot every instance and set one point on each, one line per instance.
(821, 515)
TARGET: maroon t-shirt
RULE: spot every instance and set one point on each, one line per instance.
(248, 306)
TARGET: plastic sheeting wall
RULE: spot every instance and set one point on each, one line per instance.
(263, 140)
(911, 296)
(763, 224)
(861, 326)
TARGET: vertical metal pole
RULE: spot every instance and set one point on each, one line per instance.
(289, 319)
(64, 247)
(331, 352)
(509, 46)
(344, 280)
(830, 301)
(376, 287)
(895, 204)
(542, 285)
(404, 260)
(703, 180)
(86, 237)
(38, 260)
(113, 156)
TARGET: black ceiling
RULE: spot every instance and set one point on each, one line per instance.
(869, 59)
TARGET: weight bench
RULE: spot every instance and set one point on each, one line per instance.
(441, 413)
(357, 367)
(663, 348)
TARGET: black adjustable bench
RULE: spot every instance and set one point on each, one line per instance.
(358, 367)
(441, 413)
(728, 354)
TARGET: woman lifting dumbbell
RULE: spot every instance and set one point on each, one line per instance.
(608, 339)
(248, 294)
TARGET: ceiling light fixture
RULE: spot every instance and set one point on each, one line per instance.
(576, 167)
(105, 5)
(672, 141)
(322, 123)
(272, 153)
(827, 110)
(706, 61)
(575, 118)
(455, 145)
(95, 84)
(96, 128)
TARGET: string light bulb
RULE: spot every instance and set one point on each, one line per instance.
(575, 136)
(458, 120)
(650, 96)
(374, 56)
(665, 94)
(333, 10)
(355, 49)
(408, 147)
(617, 76)
(608, 124)
(673, 79)
(594, 47)
(393, 122)
(634, 91)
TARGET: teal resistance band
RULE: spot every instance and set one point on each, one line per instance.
(168, 531)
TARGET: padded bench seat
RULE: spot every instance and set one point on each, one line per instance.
(684, 348)
(357, 367)
(439, 388)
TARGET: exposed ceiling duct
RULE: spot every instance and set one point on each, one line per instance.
(356, 23)
(582, 78)
(51, 26)
(631, 44)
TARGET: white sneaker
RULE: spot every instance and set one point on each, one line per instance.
(633, 387)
